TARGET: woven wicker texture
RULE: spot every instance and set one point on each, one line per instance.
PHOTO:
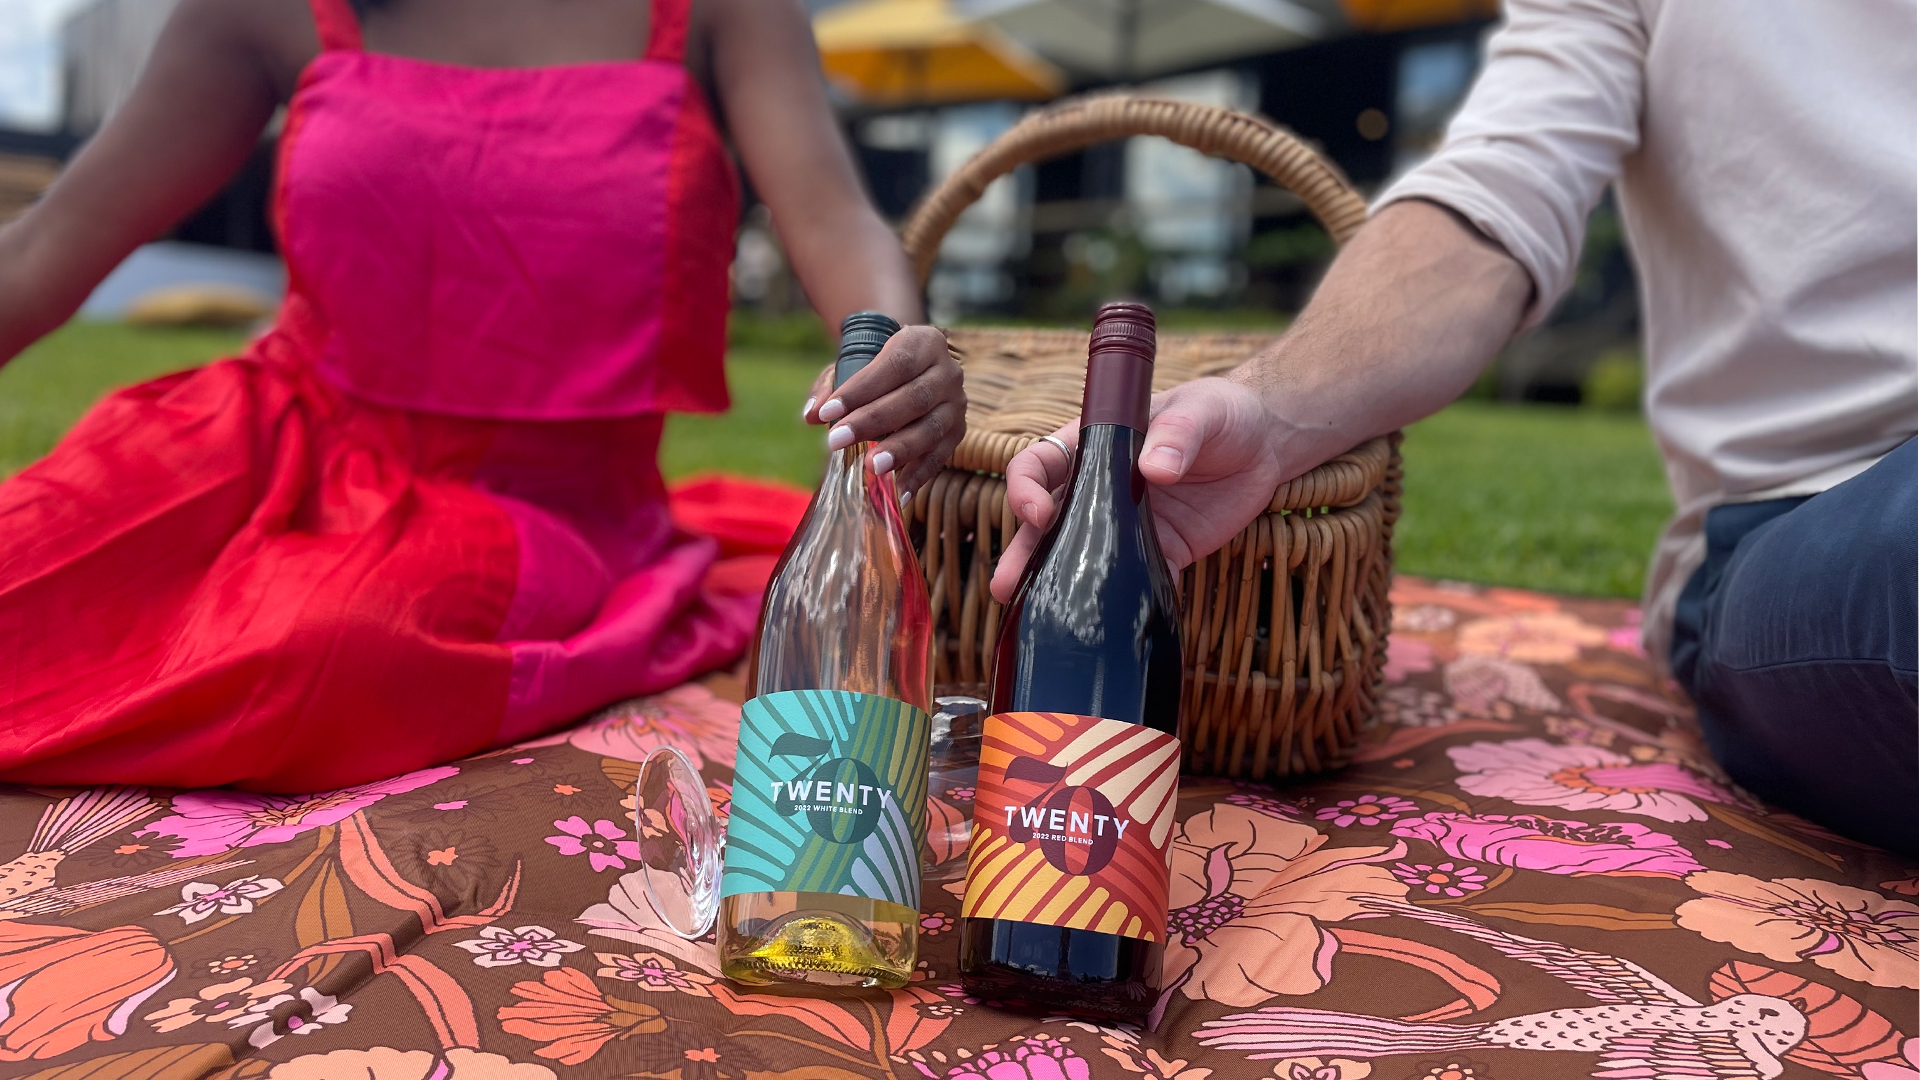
(1285, 627)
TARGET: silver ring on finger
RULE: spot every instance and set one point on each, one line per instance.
(1064, 449)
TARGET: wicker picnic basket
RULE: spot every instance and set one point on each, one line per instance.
(1285, 628)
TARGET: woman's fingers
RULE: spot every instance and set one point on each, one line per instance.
(906, 356)
(917, 451)
(902, 406)
(822, 385)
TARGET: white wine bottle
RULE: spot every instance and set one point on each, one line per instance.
(821, 882)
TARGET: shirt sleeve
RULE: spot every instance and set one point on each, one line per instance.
(1544, 130)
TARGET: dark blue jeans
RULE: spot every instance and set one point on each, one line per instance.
(1796, 640)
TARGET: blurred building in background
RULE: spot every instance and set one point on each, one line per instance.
(922, 85)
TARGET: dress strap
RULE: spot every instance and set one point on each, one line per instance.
(337, 24)
(667, 34)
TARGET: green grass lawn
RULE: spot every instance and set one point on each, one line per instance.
(1542, 497)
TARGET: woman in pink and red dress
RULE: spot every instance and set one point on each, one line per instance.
(422, 515)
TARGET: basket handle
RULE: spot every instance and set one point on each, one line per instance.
(1081, 122)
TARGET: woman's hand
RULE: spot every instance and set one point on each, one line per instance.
(909, 402)
(1211, 450)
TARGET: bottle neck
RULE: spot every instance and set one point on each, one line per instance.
(1106, 469)
(1119, 389)
(850, 480)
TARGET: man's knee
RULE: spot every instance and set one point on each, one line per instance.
(1832, 580)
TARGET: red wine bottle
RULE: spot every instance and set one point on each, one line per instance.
(1066, 901)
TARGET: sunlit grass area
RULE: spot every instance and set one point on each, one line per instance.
(1542, 497)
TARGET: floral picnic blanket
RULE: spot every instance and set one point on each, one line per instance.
(1533, 870)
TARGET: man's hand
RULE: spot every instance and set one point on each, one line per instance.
(910, 402)
(1211, 452)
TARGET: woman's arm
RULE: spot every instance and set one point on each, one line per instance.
(208, 89)
(767, 73)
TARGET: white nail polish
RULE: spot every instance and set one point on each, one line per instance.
(905, 498)
(840, 438)
(882, 463)
(833, 410)
(807, 408)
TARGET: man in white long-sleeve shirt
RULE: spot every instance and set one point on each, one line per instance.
(1763, 155)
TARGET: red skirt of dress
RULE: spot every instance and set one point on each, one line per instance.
(239, 575)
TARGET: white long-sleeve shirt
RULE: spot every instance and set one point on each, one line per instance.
(1763, 156)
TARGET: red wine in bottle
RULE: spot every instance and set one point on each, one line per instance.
(1066, 901)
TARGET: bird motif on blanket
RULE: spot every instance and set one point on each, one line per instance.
(1643, 1028)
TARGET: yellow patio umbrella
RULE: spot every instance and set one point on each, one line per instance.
(919, 52)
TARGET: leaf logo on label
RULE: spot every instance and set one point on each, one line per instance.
(1072, 821)
(829, 796)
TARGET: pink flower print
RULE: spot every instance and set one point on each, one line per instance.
(1444, 879)
(1036, 1057)
(1265, 804)
(1424, 619)
(1908, 1068)
(457, 804)
(934, 922)
(1626, 636)
(1554, 846)
(1410, 706)
(1534, 772)
(1480, 684)
(212, 822)
(274, 1018)
(689, 717)
(1407, 656)
(602, 842)
(1366, 810)
(499, 947)
(201, 899)
(960, 794)
(652, 971)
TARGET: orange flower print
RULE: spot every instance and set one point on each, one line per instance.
(1854, 933)
(216, 1004)
(443, 856)
(232, 964)
(70, 986)
(1249, 892)
(386, 1063)
(1530, 637)
(651, 971)
(572, 1019)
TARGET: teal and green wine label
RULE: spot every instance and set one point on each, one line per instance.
(829, 796)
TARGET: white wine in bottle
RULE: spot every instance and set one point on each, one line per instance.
(822, 876)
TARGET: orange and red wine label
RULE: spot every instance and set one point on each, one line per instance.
(1071, 820)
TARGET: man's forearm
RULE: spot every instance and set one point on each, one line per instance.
(1413, 308)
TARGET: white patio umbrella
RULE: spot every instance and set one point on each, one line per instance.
(1132, 39)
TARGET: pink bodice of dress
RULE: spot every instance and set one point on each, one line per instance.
(538, 244)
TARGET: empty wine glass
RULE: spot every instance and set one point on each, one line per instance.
(681, 843)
